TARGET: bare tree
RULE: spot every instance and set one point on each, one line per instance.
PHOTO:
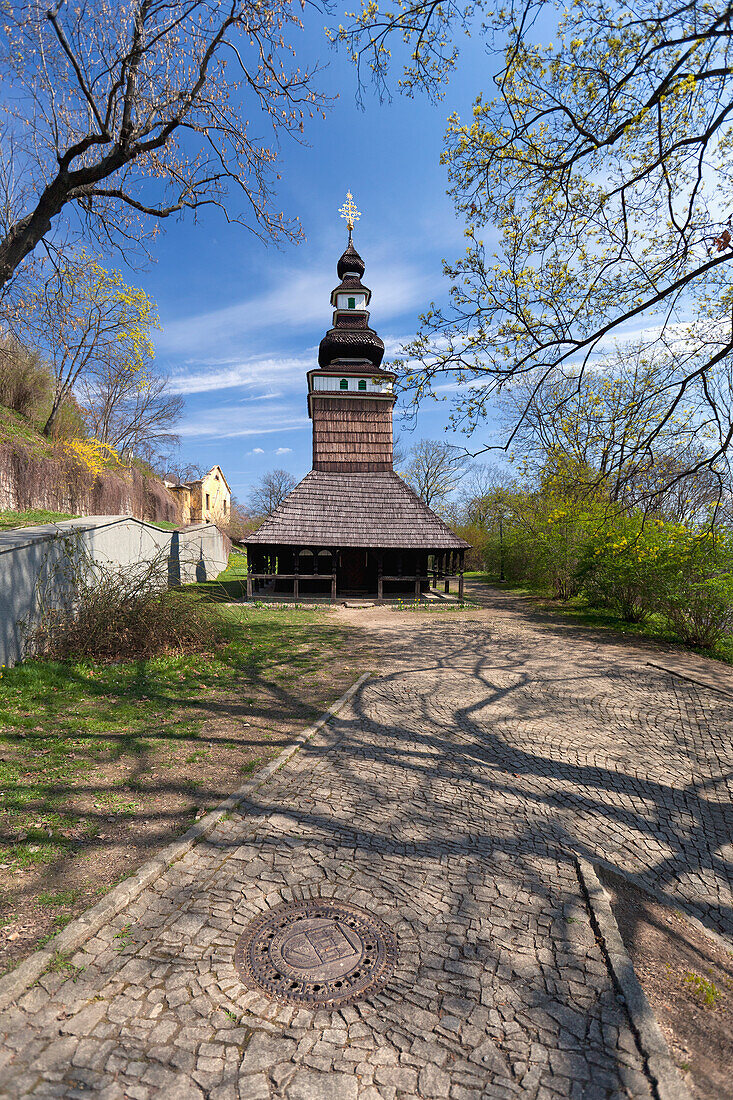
(127, 113)
(135, 415)
(434, 469)
(182, 472)
(270, 491)
(483, 484)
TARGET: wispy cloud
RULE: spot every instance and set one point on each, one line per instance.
(284, 451)
(232, 421)
(300, 300)
(266, 372)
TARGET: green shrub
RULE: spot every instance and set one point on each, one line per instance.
(620, 568)
(696, 573)
(639, 567)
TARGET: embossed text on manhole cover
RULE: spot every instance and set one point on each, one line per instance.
(316, 952)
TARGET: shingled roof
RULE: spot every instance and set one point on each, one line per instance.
(366, 509)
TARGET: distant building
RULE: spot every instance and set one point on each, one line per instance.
(208, 499)
(352, 526)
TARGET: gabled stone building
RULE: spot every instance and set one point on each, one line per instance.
(208, 499)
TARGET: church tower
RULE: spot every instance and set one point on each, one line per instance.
(352, 526)
(350, 396)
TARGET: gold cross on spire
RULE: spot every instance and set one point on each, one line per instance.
(349, 211)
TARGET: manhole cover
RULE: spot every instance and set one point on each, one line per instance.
(316, 952)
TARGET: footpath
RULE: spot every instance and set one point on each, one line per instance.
(454, 801)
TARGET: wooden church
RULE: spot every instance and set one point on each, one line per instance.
(352, 527)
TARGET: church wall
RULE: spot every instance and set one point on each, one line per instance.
(352, 435)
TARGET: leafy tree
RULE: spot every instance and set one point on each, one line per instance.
(270, 491)
(593, 428)
(434, 470)
(603, 160)
(124, 115)
(87, 321)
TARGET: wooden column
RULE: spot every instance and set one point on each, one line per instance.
(446, 580)
(380, 571)
(334, 554)
(296, 570)
(460, 578)
(417, 586)
(250, 570)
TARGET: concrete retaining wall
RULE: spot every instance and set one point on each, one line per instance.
(37, 563)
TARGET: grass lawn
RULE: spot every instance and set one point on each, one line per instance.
(10, 520)
(231, 584)
(100, 766)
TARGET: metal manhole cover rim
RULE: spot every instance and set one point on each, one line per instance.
(371, 970)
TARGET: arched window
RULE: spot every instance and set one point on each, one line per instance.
(344, 384)
(362, 383)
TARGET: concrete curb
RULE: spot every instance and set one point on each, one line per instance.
(673, 903)
(89, 922)
(666, 1080)
(690, 679)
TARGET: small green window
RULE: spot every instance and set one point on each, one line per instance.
(362, 383)
(344, 384)
(352, 303)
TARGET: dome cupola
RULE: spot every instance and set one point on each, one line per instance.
(351, 262)
(350, 343)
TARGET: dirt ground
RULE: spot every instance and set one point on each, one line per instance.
(688, 979)
(123, 807)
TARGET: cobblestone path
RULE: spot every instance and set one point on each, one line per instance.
(448, 798)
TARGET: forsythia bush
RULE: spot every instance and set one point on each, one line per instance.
(620, 567)
(91, 454)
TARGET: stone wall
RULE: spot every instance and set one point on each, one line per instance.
(37, 563)
(55, 483)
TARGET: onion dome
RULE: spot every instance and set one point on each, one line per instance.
(347, 342)
(350, 338)
(350, 261)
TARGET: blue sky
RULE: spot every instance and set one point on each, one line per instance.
(241, 321)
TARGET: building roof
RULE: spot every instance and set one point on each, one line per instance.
(365, 509)
(200, 480)
(350, 261)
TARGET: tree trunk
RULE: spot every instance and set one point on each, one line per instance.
(52, 416)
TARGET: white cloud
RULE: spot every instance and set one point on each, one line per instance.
(205, 376)
(233, 421)
(284, 451)
(300, 300)
(257, 451)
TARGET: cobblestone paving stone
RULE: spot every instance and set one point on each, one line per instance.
(448, 798)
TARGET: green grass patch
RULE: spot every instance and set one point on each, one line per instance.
(163, 524)
(236, 567)
(655, 626)
(10, 520)
(703, 990)
(59, 899)
(579, 611)
(252, 765)
(62, 723)
(62, 964)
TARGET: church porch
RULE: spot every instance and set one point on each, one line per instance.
(337, 572)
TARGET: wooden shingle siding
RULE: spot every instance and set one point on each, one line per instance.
(351, 434)
(329, 509)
